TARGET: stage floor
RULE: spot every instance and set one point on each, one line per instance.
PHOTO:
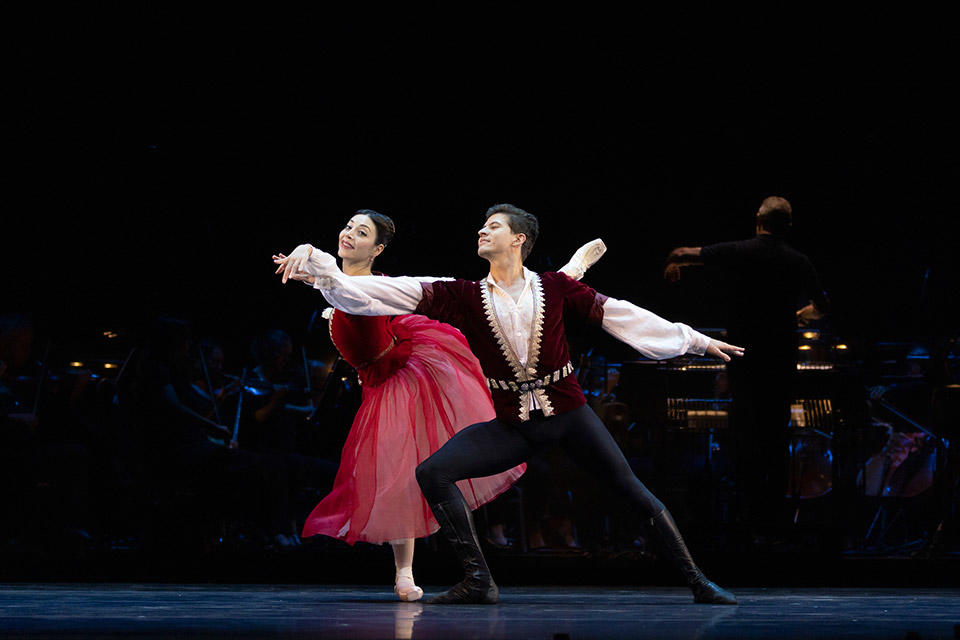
(166, 610)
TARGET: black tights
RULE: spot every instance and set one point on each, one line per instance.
(488, 448)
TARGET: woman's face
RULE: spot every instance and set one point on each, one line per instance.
(358, 240)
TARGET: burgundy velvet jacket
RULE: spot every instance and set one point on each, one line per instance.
(468, 306)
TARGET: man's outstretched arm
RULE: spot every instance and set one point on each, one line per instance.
(648, 333)
(658, 338)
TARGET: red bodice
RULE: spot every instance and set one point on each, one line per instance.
(376, 346)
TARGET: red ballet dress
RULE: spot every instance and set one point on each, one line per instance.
(421, 384)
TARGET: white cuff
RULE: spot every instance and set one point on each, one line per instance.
(698, 342)
(325, 283)
(321, 263)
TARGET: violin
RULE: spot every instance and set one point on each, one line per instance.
(259, 387)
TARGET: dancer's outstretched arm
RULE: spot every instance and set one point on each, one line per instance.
(359, 295)
(657, 338)
(379, 295)
(648, 333)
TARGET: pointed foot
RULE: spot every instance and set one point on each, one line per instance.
(404, 586)
(408, 593)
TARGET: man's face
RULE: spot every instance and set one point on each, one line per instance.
(496, 238)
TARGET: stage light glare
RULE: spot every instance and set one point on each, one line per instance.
(805, 347)
(811, 335)
(76, 364)
(110, 365)
(841, 346)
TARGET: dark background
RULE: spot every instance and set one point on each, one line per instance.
(160, 154)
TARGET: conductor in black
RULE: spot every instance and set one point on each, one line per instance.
(772, 288)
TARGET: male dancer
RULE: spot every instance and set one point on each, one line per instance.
(514, 322)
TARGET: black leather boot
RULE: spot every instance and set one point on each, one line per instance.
(704, 591)
(477, 587)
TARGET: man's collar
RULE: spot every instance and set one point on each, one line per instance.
(526, 277)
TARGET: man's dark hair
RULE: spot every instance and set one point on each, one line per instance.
(520, 221)
(385, 227)
(775, 215)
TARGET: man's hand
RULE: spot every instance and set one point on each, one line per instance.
(679, 257)
(723, 350)
(294, 263)
(684, 254)
(677, 254)
(808, 314)
(672, 272)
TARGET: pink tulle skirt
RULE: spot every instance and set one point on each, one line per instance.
(439, 390)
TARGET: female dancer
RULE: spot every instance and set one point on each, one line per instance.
(421, 384)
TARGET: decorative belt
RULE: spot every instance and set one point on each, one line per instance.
(389, 348)
(529, 385)
(393, 343)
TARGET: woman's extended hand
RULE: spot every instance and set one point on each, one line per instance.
(294, 263)
(300, 276)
